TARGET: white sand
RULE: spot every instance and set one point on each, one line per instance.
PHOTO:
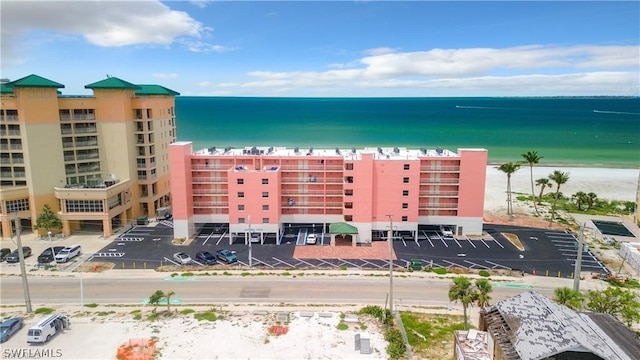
(610, 184)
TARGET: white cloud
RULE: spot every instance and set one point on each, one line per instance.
(200, 3)
(102, 23)
(200, 46)
(532, 69)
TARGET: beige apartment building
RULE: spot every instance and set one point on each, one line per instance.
(99, 161)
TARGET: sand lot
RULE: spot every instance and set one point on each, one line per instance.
(240, 335)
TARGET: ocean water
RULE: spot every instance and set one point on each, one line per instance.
(564, 131)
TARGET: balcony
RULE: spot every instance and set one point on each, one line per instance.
(9, 118)
(210, 191)
(208, 204)
(437, 206)
(439, 181)
(314, 205)
(438, 193)
(304, 192)
(206, 180)
(84, 116)
(85, 129)
(87, 143)
(435, 169)
(222, 167)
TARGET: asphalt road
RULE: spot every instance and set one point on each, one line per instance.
(411, 291)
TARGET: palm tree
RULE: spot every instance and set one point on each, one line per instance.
(570, 298)
(155, 298)
(509, 168)
(592, 198)
(532, 158)
(559, 178)
(484, 289)
(580, 198)
(462, 291)
(168, 296)
(543, 183)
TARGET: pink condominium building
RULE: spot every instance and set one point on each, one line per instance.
(263, 190)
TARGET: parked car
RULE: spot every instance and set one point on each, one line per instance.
(68, 253)
(205, 258)
(14, 257)
(446, 231)
(48, 255)
(226, 256)
(10, 327)
(312, 239)
(4, 252)
(182, 258)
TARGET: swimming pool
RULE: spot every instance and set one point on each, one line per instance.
(612, 228)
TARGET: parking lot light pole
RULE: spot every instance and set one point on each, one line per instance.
(578, 267)
(23, 269)
(390, 240)
(250, 234)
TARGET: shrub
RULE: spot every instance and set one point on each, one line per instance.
(342, 326)
(187, 274)
(396, 348)
(44, 311)
(187, 311)
(207, 315)
(484, 273)
(440, 271)
(383, 315)
(92, 305)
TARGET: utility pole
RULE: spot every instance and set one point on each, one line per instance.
(390, 240)
(23, 270)
(250, 240)
(578, 268)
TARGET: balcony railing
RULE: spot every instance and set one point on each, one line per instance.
(439, 181)
(439, 193)
(437, 206)
(211, 167)
(210, 191)
(204, 180)
(440, 168)
(9, 118)
(84, 116)
(304, 192)
(85, 130)
(315, 205)
(86, 143)
(205, 204)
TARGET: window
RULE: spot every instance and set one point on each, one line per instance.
(265, 207)
(241, 207)
(265, 194)
(240, 220)
(348, 192)
(348, 218)
(405, 218)
(81, 206)
(405, 192)
(17, 205)
(348, 166)
(265, 220)
(405, 180)
(240, 181)
(405, 205)
(349, 179)
(348, 205)
(240, 194)
(265, 181)
(406, 166)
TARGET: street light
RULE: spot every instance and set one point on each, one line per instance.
(578, 266)
(23, 270)
(390, 240)
(250, 241)
(53, 252)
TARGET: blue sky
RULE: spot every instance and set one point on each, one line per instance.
(324, 48)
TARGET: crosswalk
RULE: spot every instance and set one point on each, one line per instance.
(167, 223)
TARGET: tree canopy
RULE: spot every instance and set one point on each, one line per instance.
(47, 219)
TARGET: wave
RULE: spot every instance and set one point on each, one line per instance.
(614, 112)
(479, 107)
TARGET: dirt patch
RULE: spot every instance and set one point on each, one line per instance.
(521, 218)
(514, 240)
(95, 266)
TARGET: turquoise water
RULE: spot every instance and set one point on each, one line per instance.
(565, 131)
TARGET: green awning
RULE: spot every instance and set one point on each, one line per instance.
(342, 228)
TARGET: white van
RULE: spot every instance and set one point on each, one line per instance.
(46, 328)
(68, 253)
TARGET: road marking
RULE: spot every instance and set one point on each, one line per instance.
(485, 244)
(512, 285)
(180, 278)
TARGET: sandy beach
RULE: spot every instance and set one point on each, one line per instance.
(607, 183)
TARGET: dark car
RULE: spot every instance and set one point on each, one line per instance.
(4, 252)
(226, 256)
(205, 257)
(14, 257)
(48, 255)
(10, 327)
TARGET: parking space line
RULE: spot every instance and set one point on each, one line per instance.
(350, 263)
(472, 244)
(304, 262)
(207, 239)
(367, 262)
(485, 244)
(284, 262)
(262, 262)
(474, 264)
(326, 262)
(171, 261)
(456, 240)
(495, 265)
(453, 264)
(444, 242)
(498, 242)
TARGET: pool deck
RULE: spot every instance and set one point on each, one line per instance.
(587, 220)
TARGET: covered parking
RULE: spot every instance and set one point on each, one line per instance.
(342, 232)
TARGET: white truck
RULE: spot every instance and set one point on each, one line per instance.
(46, 328)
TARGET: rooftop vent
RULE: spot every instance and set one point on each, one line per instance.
(396, 150)
(227, 149)
(439, 150)
(337, 151)
(270, 150)
(380, 150)
(296, 150)
(423, 151)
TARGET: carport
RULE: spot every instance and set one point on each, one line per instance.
(343, 229)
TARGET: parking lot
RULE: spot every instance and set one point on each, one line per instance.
(547, 252)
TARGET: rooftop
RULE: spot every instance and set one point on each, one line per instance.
(535, 327)
(32, 81)
(391, 153)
